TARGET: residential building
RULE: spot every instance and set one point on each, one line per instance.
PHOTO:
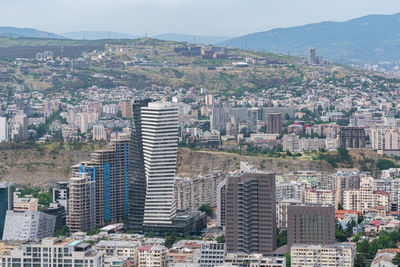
(250, 211)
(64, 252)
(273, 123)
(81, 213)
(99, 133)
(126, 109)
(192, 193)
(61, 194)
(319, 196)
(339, 254)
(253, 260)
(26, 204)
(212, 254)
(290, 190)
(311, 224)
(151, 256)
(351, 137)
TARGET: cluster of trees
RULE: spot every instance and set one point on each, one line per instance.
(45, 198)
(368, 249)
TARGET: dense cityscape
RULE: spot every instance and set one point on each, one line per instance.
(151, 152)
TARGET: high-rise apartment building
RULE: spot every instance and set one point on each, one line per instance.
(6, 202)
(311, 224)
(250, 211)
(109, 169)
(126, 109)
(159, 123)
(274, 123)
(99, 133)
(137, 176)
(81, 216)
(351, 137)
(313, 56)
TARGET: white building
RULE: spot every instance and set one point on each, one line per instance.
(54, 252)
(212, 253)
(3, 129)
(99, 133)
(151, 256)
(339, 254)
(160, 141)
(28, 225)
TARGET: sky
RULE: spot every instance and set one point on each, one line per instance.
(228, 18)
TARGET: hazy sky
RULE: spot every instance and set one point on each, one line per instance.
(201, 17)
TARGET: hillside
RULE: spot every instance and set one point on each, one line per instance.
(97, 35)
(368, 39)
(27, 32)
(198, 39)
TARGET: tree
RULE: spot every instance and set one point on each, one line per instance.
(282, 238)
(170, 240)
(64, 231)
(384, 164)
(207, 209)
(220, 239)
(396, 259)
(359, 261)
(94, 231)
(288, 259)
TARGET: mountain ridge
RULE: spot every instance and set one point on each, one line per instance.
(367, 39)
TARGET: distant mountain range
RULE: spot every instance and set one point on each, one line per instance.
(27, 32)
(97, 35)
(369, 39)
(199, 39)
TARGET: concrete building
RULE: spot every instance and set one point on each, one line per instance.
(159, 122)
(54, 251)
(290, 190)
(312, 59)
(83, 122)
(253, 260)
(274, 123)
(191, 193)
(136, 191)
(26, 204)
(81, 213)
(311, 224)
(61, 194)
(126, 109)
(3, 129)
(319, 196)
(212, 254)
(28, 225)
(6, 202)
(209, 100)
(339, 254)
(219, 118)
(282, 212)
(377, 137)
(151, 256)
(346, 179)
(291, 142)
(352, 137)
(250, 211)
(99, 133)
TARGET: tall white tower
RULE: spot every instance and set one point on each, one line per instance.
(160, 142)
(3, 129)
